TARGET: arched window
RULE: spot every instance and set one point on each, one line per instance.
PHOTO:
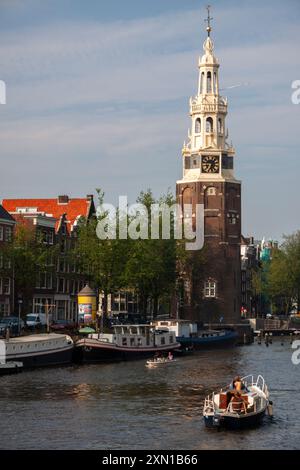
(187, 197)
(215, 82)
(198, 126)
(202, 82)
(208, 82)
(220, 126)
(209, 125)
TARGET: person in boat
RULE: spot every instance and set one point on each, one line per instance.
(238, 404)
(170, 356)
(237, 384)
(156, 356)
(236, 387)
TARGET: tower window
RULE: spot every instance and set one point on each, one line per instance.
(215, 82)
(208, 82)
(220, 126)
(210, 289)
(232, 219)
(211, 191)
(209, 125)
(198, 126)
(202, 82)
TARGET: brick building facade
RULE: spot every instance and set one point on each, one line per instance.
(56, 219)
(7, 224)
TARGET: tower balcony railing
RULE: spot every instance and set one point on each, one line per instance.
(208, 108)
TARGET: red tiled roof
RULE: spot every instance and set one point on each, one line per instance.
(74, 208)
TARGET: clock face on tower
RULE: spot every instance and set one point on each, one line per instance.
(210, 164)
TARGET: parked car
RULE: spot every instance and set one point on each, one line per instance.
(269, 316)
(12, 323)
(59, 325)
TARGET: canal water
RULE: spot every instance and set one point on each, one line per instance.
(127, 406)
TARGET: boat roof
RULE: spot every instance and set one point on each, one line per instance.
(36, 337)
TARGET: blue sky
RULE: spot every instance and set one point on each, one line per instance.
(97, 96)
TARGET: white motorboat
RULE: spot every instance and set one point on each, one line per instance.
(160, 362)
(220, 410)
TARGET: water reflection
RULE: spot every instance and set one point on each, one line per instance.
(128, 406)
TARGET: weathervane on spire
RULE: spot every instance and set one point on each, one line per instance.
(209, 18)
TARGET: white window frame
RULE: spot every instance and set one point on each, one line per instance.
(210, 289)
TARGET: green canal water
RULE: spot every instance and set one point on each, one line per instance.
(127, 406)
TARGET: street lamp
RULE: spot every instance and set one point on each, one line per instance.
(20, 301)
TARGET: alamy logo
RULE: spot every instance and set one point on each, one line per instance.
(296, 354)
(296, 94)
(2, 92)
(159, 221)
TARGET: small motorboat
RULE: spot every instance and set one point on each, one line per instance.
(160, 361)
(220, 410)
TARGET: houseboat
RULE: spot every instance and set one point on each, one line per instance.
(190, 336)
(39, 349)
(124, 343)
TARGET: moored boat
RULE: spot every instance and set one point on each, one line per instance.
(248, 410)
(125, 343)
(189, 336)
(12, 367)
(40, 350)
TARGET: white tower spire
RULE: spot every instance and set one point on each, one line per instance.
(208, 111)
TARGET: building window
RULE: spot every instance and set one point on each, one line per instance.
(198, 126)
(47, 237)
(1, 233)
(44, 281)
(61, 285)
(209, 125)
(208, 82)
(8, 234)
(202, 82)
(215, 82)
(211, 191)
(4, 309)
(39, 305)
(6, 286)
(220, 126)
(210, 288)
(232, 219)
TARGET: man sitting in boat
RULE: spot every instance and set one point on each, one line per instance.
(238, 404)
(236, 387)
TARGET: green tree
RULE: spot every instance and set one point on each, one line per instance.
(151, 266)
(103, 260)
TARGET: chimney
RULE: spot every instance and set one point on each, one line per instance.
(89, 197)
(64, 199)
